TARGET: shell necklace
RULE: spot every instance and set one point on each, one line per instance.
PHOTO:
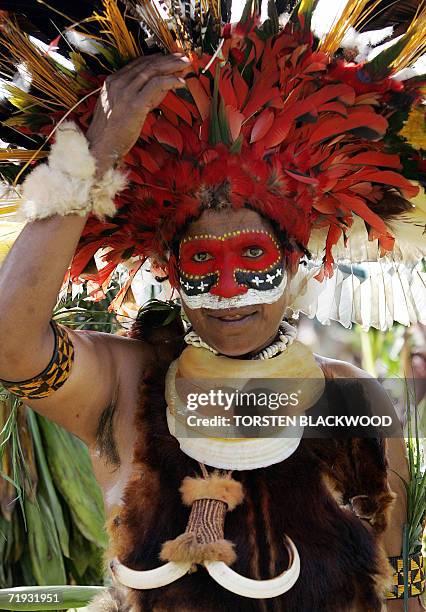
(285, 337)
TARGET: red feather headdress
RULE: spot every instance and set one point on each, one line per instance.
(274, 118)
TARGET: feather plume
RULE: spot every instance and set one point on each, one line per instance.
(55, 87)
(355, 13)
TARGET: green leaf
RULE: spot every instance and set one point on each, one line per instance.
(68, 596)
(43, 544)
(5, 536)
(73, 476)
(46, 483)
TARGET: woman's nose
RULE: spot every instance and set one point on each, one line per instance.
(227, 286)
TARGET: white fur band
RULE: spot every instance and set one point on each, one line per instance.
(67, 184)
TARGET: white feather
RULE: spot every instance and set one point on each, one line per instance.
(346, 305)
(418, 291)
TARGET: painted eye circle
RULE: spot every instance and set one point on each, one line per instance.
(202, 256)
(253, 252)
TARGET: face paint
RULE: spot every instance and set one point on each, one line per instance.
(241, 268)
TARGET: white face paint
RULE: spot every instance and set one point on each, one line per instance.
(251, 297)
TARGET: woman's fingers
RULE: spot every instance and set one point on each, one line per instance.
(168, 66)
(155, 90)
(149, 65)
(128, 96)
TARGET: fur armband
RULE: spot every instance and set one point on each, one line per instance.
(54, 375)
(67, 183)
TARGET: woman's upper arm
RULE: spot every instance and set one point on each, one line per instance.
(92, 383)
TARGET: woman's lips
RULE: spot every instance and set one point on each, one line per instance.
(233, 316)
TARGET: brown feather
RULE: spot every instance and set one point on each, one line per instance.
(392, 206)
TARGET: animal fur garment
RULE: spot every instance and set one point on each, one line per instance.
(112, 599)
(343, 565)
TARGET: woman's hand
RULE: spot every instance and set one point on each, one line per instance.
(125, 101)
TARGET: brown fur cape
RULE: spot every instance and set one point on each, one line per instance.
(343, 564)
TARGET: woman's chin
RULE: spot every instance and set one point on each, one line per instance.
(233, 349)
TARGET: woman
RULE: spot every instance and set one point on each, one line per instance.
(228, 185)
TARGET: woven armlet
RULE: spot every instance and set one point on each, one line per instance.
(54, 375)
(416, 576)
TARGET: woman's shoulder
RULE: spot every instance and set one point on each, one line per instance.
(362, 382)
(336, 368)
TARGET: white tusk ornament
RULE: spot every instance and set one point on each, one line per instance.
(149, 579)
(256, 589)
(219, 571)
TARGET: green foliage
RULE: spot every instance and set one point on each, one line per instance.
(416, 490)
(55, 534)
(386, 350)
(84, 313)
(167, 310)
(69, 596)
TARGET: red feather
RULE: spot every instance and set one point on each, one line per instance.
(146, 160)
(240, 87)
(334, 107)
(308, 180)
(259, 98)
(201, 99)
(359, 207)
(53, 46)
(341, 93)
(326, 205)
(167, 134)
(226, 89)
(333, 127)
(333, 235)
(387, 177)
(375, 158)
(234, 120)
(175, 104)
(170, 116)
(147, 126)
(263, 125)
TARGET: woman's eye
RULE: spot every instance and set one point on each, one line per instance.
(253, 252)
(202, 256)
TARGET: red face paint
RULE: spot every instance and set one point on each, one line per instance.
(228, 265)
